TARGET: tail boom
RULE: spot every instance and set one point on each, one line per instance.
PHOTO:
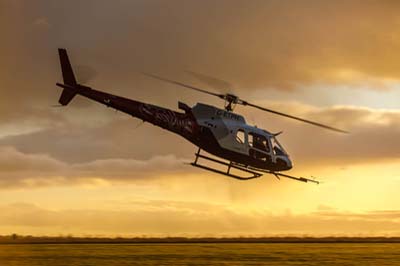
(183, 124)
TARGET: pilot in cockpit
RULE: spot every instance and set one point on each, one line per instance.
(259, 142)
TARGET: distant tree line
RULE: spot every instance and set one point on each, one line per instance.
(17, 239)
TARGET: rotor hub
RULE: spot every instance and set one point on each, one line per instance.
(230, 101)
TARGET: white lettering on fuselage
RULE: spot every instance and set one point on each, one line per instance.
(228, 115)
(168, 118)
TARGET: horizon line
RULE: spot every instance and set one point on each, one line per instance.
(20, 239)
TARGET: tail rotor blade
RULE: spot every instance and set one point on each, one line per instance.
(85, 74)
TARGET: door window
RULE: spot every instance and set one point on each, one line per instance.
(259, 147)
(258, 141)
(240, 136)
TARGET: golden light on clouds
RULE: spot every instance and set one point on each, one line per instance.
(62, 170)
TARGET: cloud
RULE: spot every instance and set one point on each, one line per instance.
(35, 170)
(373, 132)
(370, 130)
(172, 218)
(41, 23)
(377, 215)
(117, 137)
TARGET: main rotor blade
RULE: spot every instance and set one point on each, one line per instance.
(183, 85)
(215, 83)
(294, 117)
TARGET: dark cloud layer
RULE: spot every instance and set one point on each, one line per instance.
(257, 44)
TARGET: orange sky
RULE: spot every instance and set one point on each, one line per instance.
(87, 170)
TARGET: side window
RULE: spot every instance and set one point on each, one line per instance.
(258, 141)
(240, 136)
(278, 150)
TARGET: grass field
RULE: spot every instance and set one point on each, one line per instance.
(209, 254)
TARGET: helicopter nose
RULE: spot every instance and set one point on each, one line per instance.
(284, 163)
(289, 164)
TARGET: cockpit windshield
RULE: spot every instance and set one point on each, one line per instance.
(277, 147)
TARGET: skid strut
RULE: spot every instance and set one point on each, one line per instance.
(229, 166)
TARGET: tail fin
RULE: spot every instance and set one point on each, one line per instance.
(69, 78)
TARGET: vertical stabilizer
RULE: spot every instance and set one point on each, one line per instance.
(69, 78)
(67, 72)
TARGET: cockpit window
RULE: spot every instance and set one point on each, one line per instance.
(277, 148)
(240, 136)
(258, 141)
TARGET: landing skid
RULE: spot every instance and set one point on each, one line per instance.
(255, 172)
(230, 165)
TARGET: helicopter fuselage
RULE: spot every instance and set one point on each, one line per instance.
(217, 131)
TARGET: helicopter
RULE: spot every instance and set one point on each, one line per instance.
(243, 151)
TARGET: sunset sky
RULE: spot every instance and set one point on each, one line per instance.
(88, 170)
